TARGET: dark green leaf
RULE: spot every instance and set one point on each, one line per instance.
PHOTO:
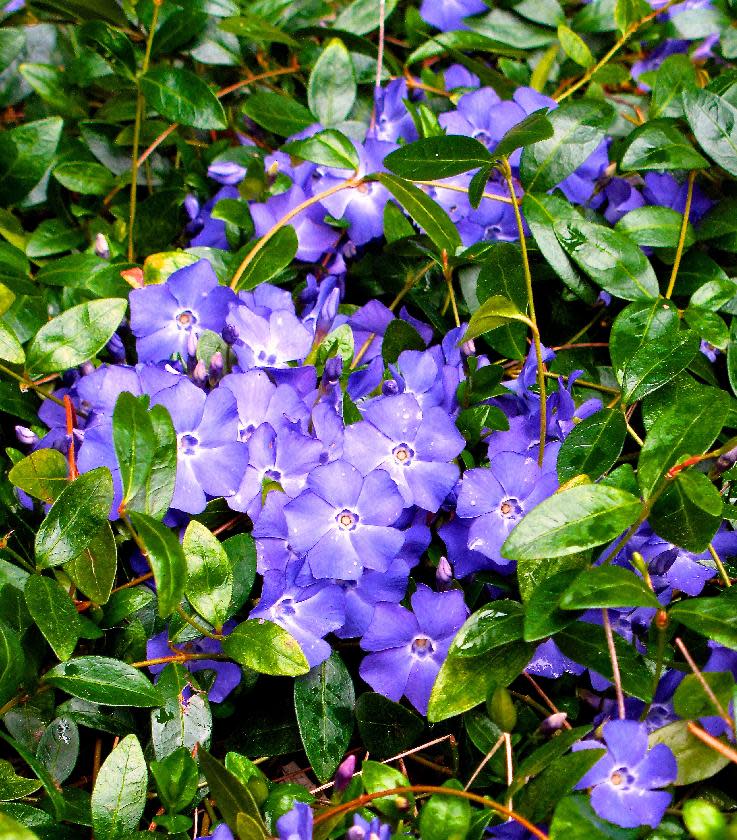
(638, 324)
(166, 557)
(575, 819)
(232, 796)
(657, 362)
(377, 777)
(255, 28)
(494, 312)
(323, 700)
(57, 801)
(607, 586)
(696, 761)
(707, 325)
(112, 43)
(93, 571)
(328, 148)
(58, 748)
(175, 724)
(593, 446)
(691, 700)
(689, 511)
(209, 585)
(445, 817)
(274, 257)
(52, 237)
(11, 662)
(399, 336)
(578, 128)
(75, 518)
(54, 612)
(103, 680)
(13, 786)
(386, 728)
(540, 796)
(277, 113)
(12, 41)
(543, 617)
(502, 274)
(433, 158)
(119, 795)
(88, 178)
(135, 443)
(74, 336)
(494, 625)
(713, 121)
(26, 152)
(182, 97)
(714, 618)
(429, 216)
(655, 227)
(532, 129)
(267, 648)
(362, 16)
(571, 521)
(43, 474)
(676, 73)
(659, 145)
(176, 778)
(331, 90)
(156, 495)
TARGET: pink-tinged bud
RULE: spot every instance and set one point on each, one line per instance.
(26, 436)
(199, 374)
(468, 348)
(192, 340)
(355, 832)
(216, 364)
(86, 368)
(553, 723)
(344, 773)
(444, 574)
(102, 249)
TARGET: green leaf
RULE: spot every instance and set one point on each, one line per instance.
(54, 613)
(278, 113)
(445, 817)
(713, 121)
(209, 585)
(134, 441)
(430, 216)
(274, 257)
(587, 645)
(687, 427)
(571, 521)
(714, 618)
(691, 700)
(492, 626)
(575, 819)
(386, 728)
(575, 47)
(493, 313)
(696, 761)
(43, 474)
(57, 801)
(655, 227)
(540, 796)
(13, 786)
(676, 74)
(182, 97)
(156, 495)
(176, 778)
(593, 446)
(328, 148)
(75, 518)
(657, 362)
(12, 41)
(464, 681)
(267, 648)
(434, 158)
(578, 128)
(626, 12)
(51, 237)
(377, 777)
(166, 557)
(689, 511)
(610, 258)
(331, 89)
(541, 758)
(74, 336)
(323, 700)
(659, 145)
(100, 679)
(26, 152)
(532, 129)
(11, 662)
(543, 616)
(87, 178)
(113, 45)
(175, 724)
(94, 570)
(119, 795)
(362, 16)
(638, 324)
(58, 749)
(255, 28)
(708, 326)
(399, 336)
(607, 586)
(232, 796)
(502, 274)
(10, 348)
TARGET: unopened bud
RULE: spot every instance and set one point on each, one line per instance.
(199, 374)
(553, 723)
(102, 249)
(500, 707)
(26, 436)
(216, 364)
(725, 461)
(444, 574)
(333, 369)
(86, 368)
(230, 334)
(192, 206)
(468, 348)
(401, 803)
(116, 348)
(355, 832)
(192, 341)
(389, 388)
(344, 773)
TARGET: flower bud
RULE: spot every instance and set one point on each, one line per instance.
(444, 574)
(500, 707)
(192, 341)
(333, 369)
(230, 334)
(116, 348)
(86, 368)
(468, 348)
(344, 773)
(102, 249)
(199, 374)
(389, 388)
(217, 364)
(355, 832)
(727, 460)
(553, 723)
(26, 436)
(192, 206)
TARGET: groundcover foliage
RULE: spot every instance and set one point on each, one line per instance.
(367, 380)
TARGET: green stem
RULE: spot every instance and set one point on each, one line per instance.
(29, 383)
(720, 566)
(682, 235)
(218, 637)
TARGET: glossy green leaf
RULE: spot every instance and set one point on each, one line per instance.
(209, 586)
(494, 312)
(638, 324)
(502, 274)
(174, 724)
(492, 626)
(377, 777)
(26, 152)
(11, 662)
(74, 336)
(386, 728)
(58, 749)
(714, 618)
(43, 474)
(593, 446)
(696, 761)
(575, 47)
(13, 786)
(689, 511)
(655, 227)
(274, 257)
(277, 113)
(445, 817)
(54, 613)
(434, 158)
(708, 326)
(429, 215)
(540, 796)
(328, 148)
(713, 120)
(10, 348)
(690, 699)
(12, 41)
(94, 570)
(112, 43)
(659, 145)
(657, 362)
(88, 178)
(543, 617)
(331, 89)
(176, 778)
(575, 819)
(607, 586)
(578, 128)
(119, 795)
(675, 74)
(362, 16)
(255, 28)
(323, 700)
(571, 521)
(267, 648)
(155, 496)
(166, 557)
(182, 97)
(75, 518)
(532, 129)
(134, 441)
(399, 336)
(100, 679)
(232, 796)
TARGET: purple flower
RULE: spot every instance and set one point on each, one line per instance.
(393, 121)
(372, 588)
(227, 674)
(165, 316)
(222, 832)
(226, 172)
(260, 401)
(663, 190)
(341, 522)
(408, 648)
(344, 774)
(210, 459)
(412, 445)
(498, 497)
(205, 231)
(308, 613)
(621, 198)
(267, 339)
(580, 186)
(364, 830)
(448, 14)
(296, 824)
(548, 661)
(625, 782)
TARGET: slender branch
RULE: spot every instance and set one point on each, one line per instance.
(182, 657)
(629, 32)
(720, 566)
(218, 637)
(615, 663)
(682, 235)
(29, 383)
(595, 386)
(448, 274)
(456, 188)
(485, 760)
(705, 685)
(712, 742)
